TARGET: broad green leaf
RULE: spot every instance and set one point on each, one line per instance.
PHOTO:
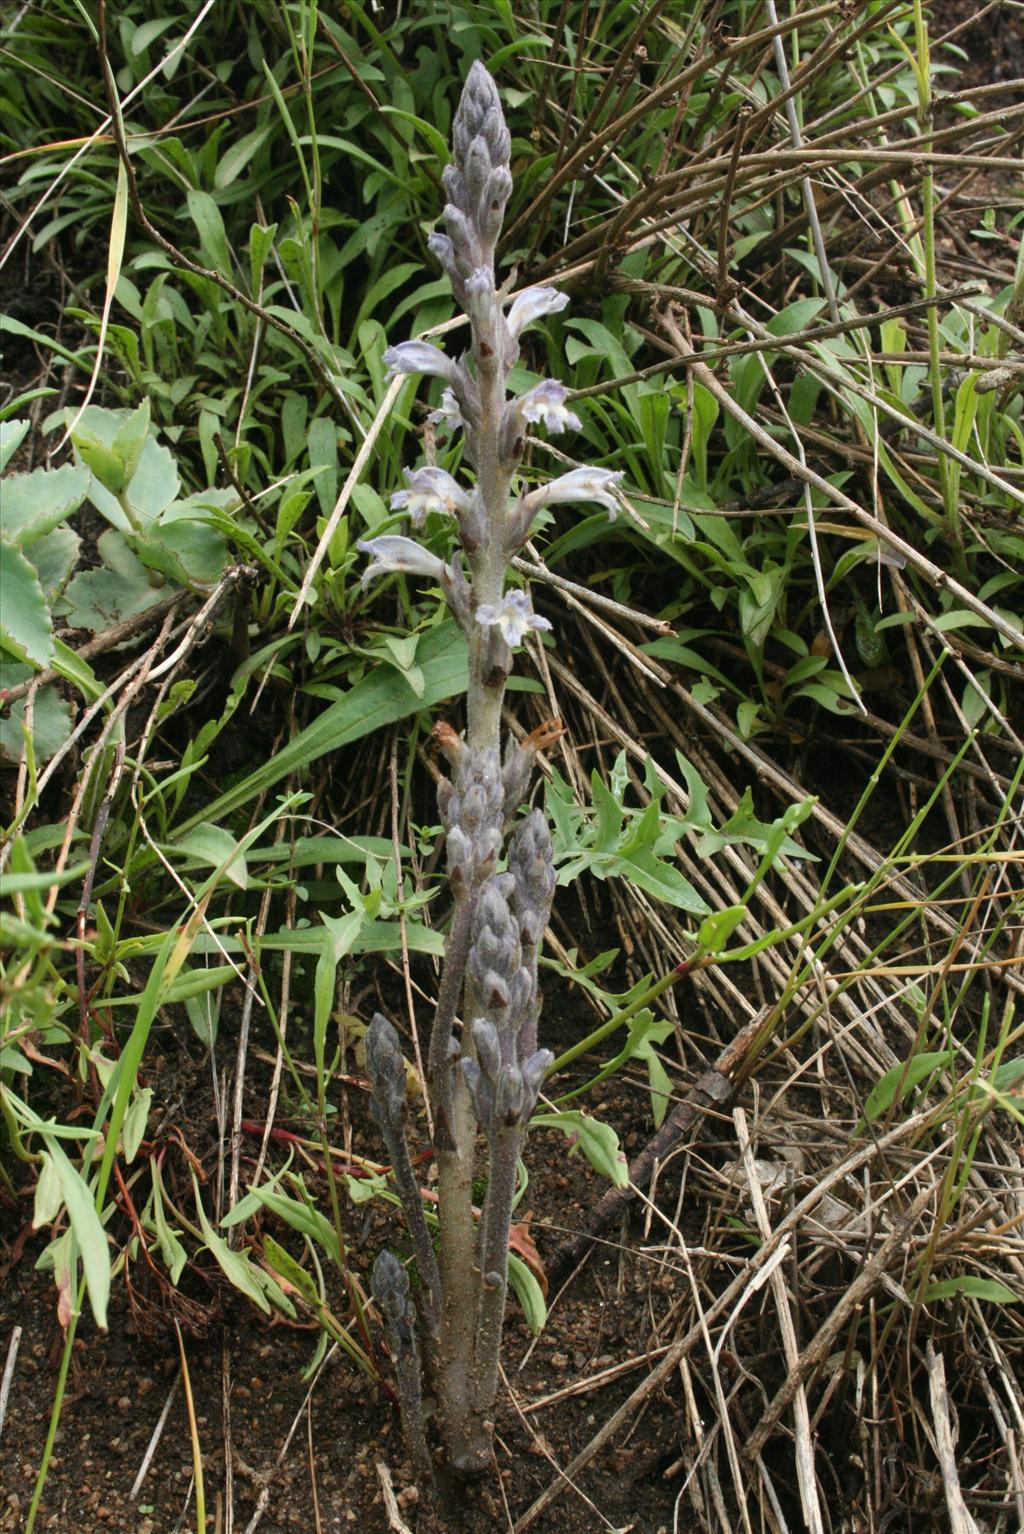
(171, 1249)
(598, 1142)
(130, 439)
(120, 588)
(363, 1190)
(148, 32)
(51, 718)
(323, 455)
(744, 828)
(55, 556)
(251, 1281)
(795, 317)
(644, 1032)
(203, 1015)
(26, 628)
(99, 458)
(337, 938)
(154, 481)
(32, 505)
(261, 243)
(437, 141)
(235, 159)
(300, 1216)
(1008, 1075)
(196, 982)
(213, 241)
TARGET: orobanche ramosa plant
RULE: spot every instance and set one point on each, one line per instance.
(483, 1081)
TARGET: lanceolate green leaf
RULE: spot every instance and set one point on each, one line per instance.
(896, 1083)
(529, 1294)
(89, 1233)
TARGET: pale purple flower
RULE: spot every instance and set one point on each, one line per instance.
(513, 615)
(579, 485)
(532, 305)
(430, 489)
(391, 552)
(448, 416)
(419, 357)
(546, 402)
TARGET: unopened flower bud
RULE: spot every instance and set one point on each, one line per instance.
(534, 1072)
(492, 213)
(488, 1049)
(509, 1096)
(520, 993)
(494, 992)
(460, 853)
(481, 1093)
(474, 808)
(476, 171)
(466, 249)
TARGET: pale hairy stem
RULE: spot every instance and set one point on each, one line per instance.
(410, 1395)
(468, 1442)
(460, 1282)
(496, 1219)
(439, 1064)
(484, 701)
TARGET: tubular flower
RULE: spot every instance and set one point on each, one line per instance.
(532, 305)
(419, 357)
(513, 616)
(429, 489)
(579, 485)
(400, 554)
(545, 402)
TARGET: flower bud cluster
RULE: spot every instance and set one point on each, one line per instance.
(386, 1071)
(503, 1078)
(531, 868)
(504, 1093)
(477, 185)
(499, 984)
(472, 813)
(390, 1284)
